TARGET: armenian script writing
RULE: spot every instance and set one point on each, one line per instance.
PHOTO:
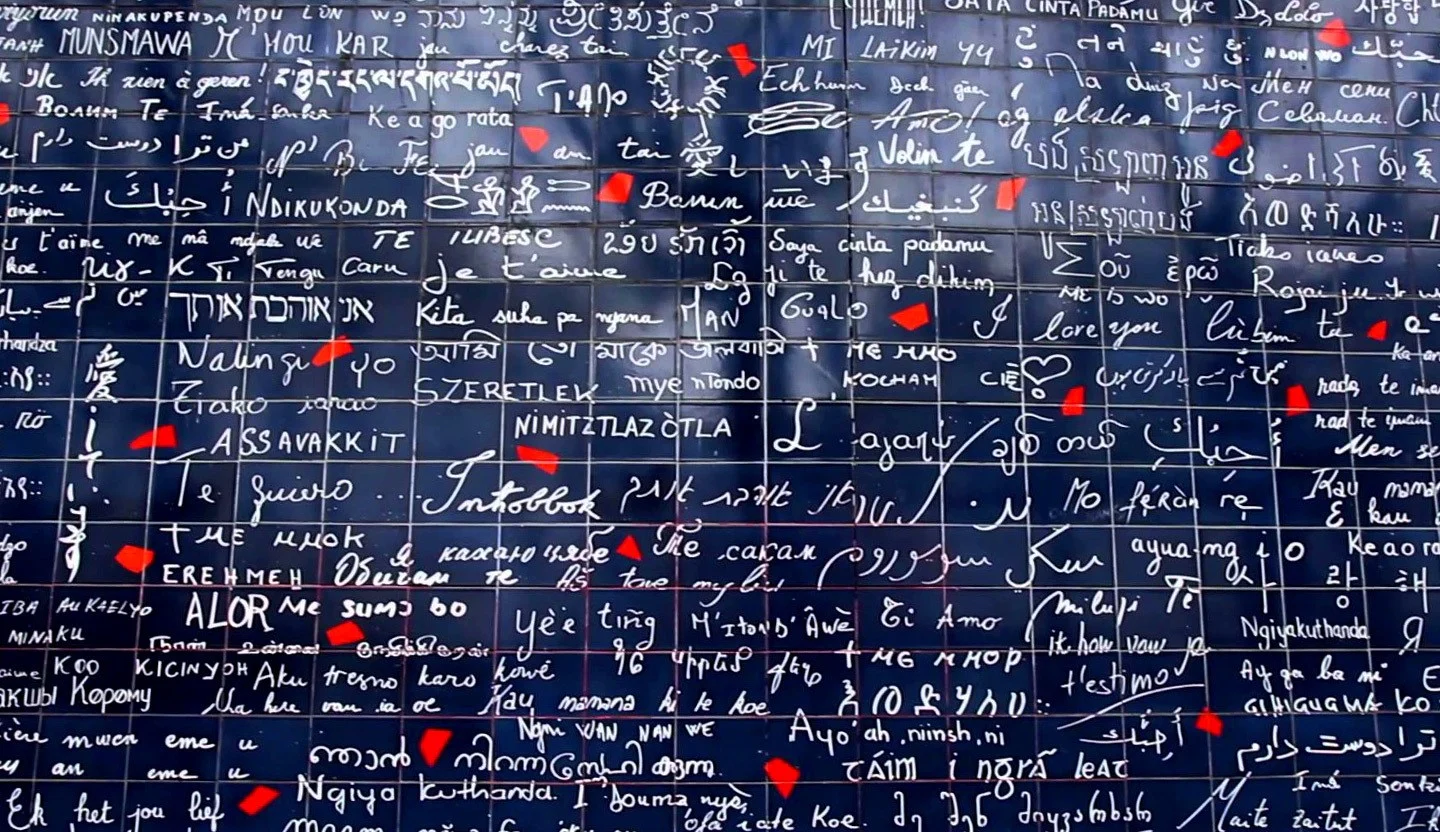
(734, 416)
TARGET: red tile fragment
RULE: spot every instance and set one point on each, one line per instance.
(134, 558)
(161, 437)
(346, 632)
(1334, 34)
(912, 318)
(628, 548)
(1008, 192)
(338, 348)
(740, 53)
(1209, 722)
(1074, 402)
(544, 460)
(4, 113)
(258, 798)
(783, 775)
(1228, 144)
(1378, 331)
(616, 189)
(432, 744)
(534, 137)
(1296, 402)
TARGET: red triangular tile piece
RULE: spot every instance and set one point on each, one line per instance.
(1228, 144)
(338, 348)
(1296, 402)
(912, 318)
(346, 632)
(544, 460)
(740, 53)
(1008, 192)
(1209, 722)
(1074, 403)
(432, 744)
(628, 548)
(783, 775)
(161, 437)
(1378, 331)
(1335, 34)
(134, 558)
(534, 137)
(258, 798)
(616, 189)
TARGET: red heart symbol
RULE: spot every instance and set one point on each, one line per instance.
(740, 53)
(1074, 403)
(542, 459)
(161, 437)
(134, 558)
(258, 798)
(346, 632)
(628, 548)
(534, 137)
(616, 189)
(1334, 34)
(338, 348)
(783, 775)
(1228, 144)
(912, 318)
(432, 744)
(1008, 192)
(1296, 402)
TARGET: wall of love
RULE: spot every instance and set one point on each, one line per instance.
(750, 415)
